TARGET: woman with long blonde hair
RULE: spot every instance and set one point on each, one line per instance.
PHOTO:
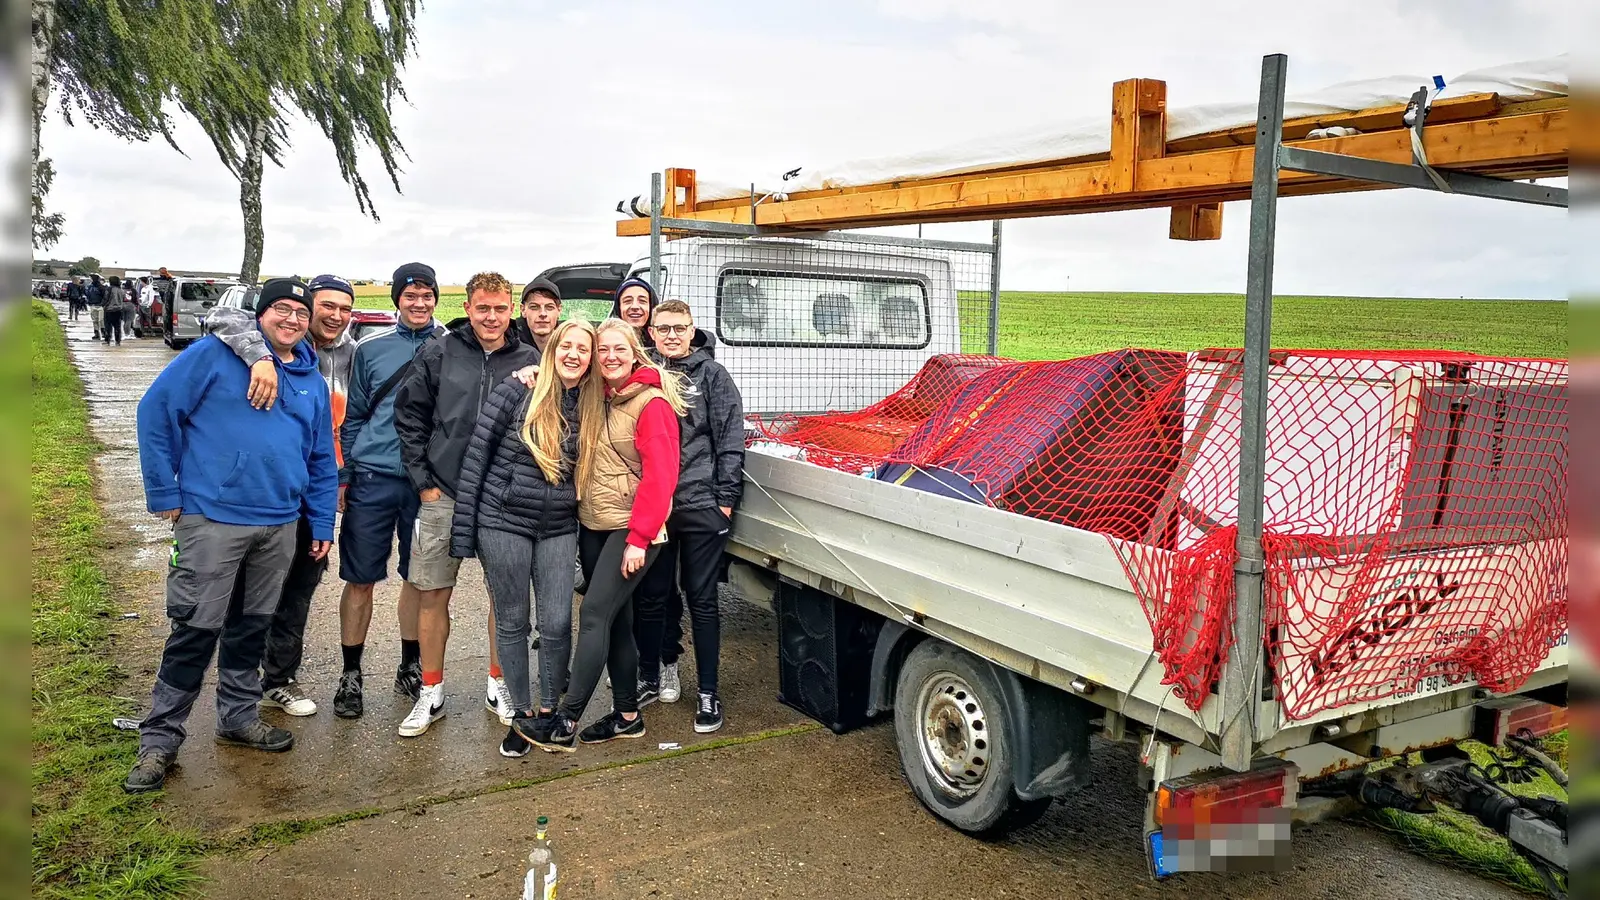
(627, 472)
(517, 511)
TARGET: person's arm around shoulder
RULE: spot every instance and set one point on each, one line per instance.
(162, 412)
(414, 403)
(237, 328)
(656, 440)
(725, 409)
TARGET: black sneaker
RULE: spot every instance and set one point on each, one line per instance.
(347, 699)
(533, 728)
(258, 735)
(709, 717)
(562, 737)
(408, 680)
(611, 727)
(648, 693)
(149, 773)
(514, 745)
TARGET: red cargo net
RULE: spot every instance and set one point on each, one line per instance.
(1415, 515)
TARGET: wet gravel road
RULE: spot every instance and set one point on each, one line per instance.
(788, 813)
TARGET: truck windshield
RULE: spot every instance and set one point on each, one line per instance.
(792, 309)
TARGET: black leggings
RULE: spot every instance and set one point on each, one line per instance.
(605, 624)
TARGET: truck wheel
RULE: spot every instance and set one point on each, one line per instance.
(955, 743)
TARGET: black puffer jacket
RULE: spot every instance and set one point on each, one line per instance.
(437, 403)
(501, 486)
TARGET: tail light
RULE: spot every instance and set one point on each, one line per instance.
(1506, 716)
(1234, 821)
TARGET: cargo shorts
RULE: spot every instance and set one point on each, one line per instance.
(432, 566)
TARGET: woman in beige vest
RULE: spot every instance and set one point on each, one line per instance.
(627, 473)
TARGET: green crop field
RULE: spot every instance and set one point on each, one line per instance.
(1042, 325)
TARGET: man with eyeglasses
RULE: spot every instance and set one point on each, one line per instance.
(234, 481)
(332, 304)
(709, 484)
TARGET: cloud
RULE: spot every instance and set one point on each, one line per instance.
(528, 122)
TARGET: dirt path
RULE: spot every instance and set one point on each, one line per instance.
(801, 815)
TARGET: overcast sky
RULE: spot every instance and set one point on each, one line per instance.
(528, 121)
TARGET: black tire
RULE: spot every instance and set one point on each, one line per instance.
(939, 682)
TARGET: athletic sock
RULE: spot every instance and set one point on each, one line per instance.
(410, 652)
(429, 679)
(352, 656)
(494, 671)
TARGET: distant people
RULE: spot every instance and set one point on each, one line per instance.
(75, 299)
(710, 481)
(541, 313)
(434, 413)
(332, 302)
(111, 324)
(379, 504)
(233, 480)
(517, 511)
(634, 302)
(147, 295)
(627, 472)
(95, 296)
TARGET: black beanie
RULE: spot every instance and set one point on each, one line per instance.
(282, 289)
(543, 286)
(412, 273)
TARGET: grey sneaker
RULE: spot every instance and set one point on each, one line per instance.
(258, 735)
(671, 688)
(149, 773)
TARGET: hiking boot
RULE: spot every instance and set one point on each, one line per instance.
(671, 688)
(709, 717)
(347, 699)
(258, 735)
(428, 710)
(612, 727)
(648, 693)
(497, 700)
(408, 680)
(533, 729)
(289, 698)
(149, 773)
(514, 745)
(562, 737)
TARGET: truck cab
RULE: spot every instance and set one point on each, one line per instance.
(786, 311)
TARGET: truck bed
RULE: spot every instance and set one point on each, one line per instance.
(1045, 600)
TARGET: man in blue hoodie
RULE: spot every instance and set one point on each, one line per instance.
(234, 481)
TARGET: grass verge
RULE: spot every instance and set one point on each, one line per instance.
(90, 840)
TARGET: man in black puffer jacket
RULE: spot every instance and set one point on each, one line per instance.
(711, 478)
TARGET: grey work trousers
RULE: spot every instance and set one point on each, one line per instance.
(510, 561)
(208, 617)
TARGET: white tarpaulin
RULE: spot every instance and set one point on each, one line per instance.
(1532, 80)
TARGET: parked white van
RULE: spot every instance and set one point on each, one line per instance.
(808, 326)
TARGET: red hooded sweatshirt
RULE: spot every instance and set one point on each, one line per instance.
(656, 439)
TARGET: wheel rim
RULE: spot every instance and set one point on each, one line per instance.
(955, 735)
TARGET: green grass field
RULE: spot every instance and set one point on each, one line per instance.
(1038, 325)
(90, 840)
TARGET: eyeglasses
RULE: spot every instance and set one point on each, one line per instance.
(291, 311)
(671, 330)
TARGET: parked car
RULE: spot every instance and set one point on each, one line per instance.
(367, 322)
(587, 287)
(185, 302)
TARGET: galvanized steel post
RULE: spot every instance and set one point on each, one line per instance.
(994, 293)
(1241, 675)
(655, 233)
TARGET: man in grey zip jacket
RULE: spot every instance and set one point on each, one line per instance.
(332, 301)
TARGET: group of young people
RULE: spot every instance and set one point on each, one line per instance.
(111, 304)
(522, 441)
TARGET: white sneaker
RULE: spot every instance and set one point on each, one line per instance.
(497, 700)
(428, 710)
(290, 699)
(671, 689)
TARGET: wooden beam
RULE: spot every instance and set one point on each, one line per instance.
(1378, 118)
(1536, 143)
(1196, 222)
(1138, 128)
(676, 181)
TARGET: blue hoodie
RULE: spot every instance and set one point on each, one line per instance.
(205, 450)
